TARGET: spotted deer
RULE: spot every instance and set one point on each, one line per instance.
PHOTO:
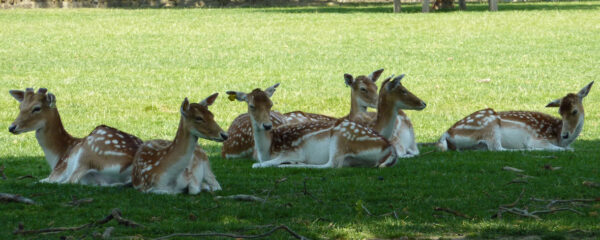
(519, 130)
(323, 144)
(171, 167)
(363, 95)
(104, 157)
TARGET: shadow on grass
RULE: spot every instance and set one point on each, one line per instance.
(416, 8)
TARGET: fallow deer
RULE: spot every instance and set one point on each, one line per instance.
(321, 144)
(102, 158)
(170, 167)
(519, 130)
(363, 95)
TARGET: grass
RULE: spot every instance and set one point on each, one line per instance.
(131, 69)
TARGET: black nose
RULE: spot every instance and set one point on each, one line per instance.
(268, 126)
(565, 136)
(424, 104)
(224, 136)
(12, 128)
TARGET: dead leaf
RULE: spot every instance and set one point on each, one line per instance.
(512, 169)
(485, 80)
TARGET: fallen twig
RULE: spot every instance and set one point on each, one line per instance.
(115, 214)
(517, 180)
(307, 193)
(277, 182)
(512, 169)
(551, 168)
(233, 235)
(552, 202)
(76, 202)
(107, 232)
(2, 172)
(7, 197)
(26, 176)
(241, 197)
(451, 211)
(591, 184)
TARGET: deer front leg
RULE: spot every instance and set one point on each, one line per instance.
(291, 158)
(210, 182)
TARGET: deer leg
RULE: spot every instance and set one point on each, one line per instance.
(279, 160)
(210, 180)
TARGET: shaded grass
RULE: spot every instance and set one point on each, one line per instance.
(131, 69)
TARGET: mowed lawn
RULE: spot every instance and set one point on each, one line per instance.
(131, 69)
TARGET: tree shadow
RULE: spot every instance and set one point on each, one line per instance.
(348, 8)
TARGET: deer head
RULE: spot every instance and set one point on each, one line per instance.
(570, 108)
(393, 91)
(199, 121)
(259, 105)
(364, 89)
(35, 109)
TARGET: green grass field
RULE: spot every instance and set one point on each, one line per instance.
(131, 69)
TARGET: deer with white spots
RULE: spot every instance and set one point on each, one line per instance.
(171, 167)
(363, 96)
(323, 144)
(519, 130)
(102, 158)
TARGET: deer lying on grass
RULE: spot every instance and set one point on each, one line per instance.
(102, 158)
(170, 167)
(323, 144)
(403, 136)
(363, 96)
(241, 141)
(519, 130)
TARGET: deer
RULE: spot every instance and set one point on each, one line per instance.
(171, 167)
(363, 96)
(519, 130)
(322, 144)
(104, 157)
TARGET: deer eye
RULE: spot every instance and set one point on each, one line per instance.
(251, 106)
(199, 119)
(36, 109)
(574, 112)
(362, 89)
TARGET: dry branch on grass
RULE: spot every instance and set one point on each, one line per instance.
(392, 213)
(591, 184)
(233, 235)
(242, 197)
(551, 207)
(307, 193)
(7, 197)
(512, 169)
(76, 202)
(2, 175)
(451, 211)
(25, 177)
(115, 214)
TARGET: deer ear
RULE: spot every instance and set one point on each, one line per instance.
(51, 100)
(585, 90)
(240, 96)
(349, 79)
(394, 83)
(375, 75)
(185, 106)
(17, 94)
(555, 103)
(42, 90)
(271, 90)
(209, 100)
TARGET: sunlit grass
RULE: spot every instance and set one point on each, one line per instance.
(132, 68)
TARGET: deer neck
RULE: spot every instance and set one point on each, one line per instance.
(181, 150)
(355, 107)
(262, 142)
(385, 122)
(54, 139)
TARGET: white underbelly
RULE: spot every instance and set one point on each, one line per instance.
(516, 138)
(316, 152)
